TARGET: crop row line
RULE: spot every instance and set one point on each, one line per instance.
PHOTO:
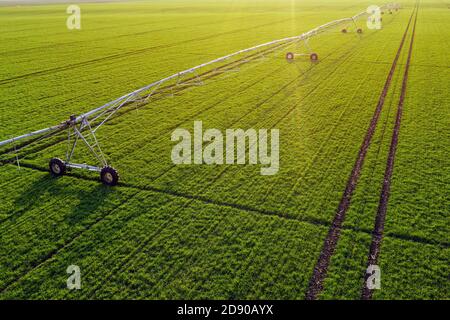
(195, 115)
(159, 94)
(128, 53)
(243, 207)
(51, 254)
(342, 59)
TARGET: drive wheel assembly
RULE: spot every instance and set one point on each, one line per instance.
(290, 56)
(314, 57)
(57, 167)
(109, 176)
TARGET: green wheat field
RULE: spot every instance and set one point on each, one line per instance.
(223, 231)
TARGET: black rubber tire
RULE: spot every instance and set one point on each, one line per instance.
(109, 176)
(57, 167)
(344, 30)
(359, 30)
(290, 56)
(314, 57)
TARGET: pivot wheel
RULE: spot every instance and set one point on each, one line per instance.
(109, 176)
(359, 30)
(289, 56)
(314, 57)
(57, 167)
(344, 30)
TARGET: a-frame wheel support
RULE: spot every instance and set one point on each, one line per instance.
(83, 132)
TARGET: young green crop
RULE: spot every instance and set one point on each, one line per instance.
(179, 232)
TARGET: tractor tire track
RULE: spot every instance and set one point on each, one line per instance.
(53, 253)
(320, 270)
(191, 199)
(125, 263)
(377, 234)
(345, 54)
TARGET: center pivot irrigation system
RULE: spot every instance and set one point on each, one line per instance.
(83, 128)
